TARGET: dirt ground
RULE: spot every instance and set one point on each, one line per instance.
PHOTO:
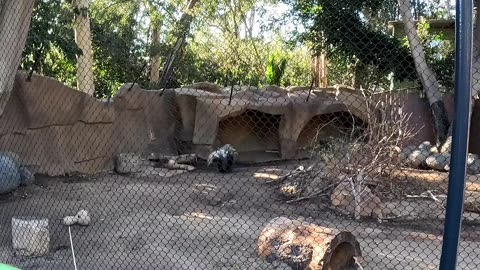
(201, 220)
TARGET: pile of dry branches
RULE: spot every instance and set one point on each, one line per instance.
(368, 152)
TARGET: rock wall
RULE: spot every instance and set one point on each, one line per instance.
(57, 130)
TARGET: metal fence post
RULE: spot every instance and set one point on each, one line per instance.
(461, 130)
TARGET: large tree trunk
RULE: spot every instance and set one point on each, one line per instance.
(426, 75)
(447, 146)
(155, 65)
(15, 17)
(184, 25)
(476, 54)
(83, 39)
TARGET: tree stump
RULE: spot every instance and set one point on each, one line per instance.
(303, 245)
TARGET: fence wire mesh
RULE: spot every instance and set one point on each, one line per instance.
(218, 134)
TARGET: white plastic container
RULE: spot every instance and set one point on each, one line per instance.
(30, 237)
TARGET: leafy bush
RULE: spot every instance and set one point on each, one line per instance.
(275, 68)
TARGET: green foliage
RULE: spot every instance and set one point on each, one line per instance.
(275, 68)
(50, 48)
(117, 50)
(342, 27)
(223, 46)
(440, 54)
(297, 72)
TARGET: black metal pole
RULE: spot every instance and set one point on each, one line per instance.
(461, 130)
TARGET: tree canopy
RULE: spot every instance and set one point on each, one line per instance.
(234, 42)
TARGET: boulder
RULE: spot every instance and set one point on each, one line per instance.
(418, 158)
(14, 156)
(342, 198)
(439, 161)
(129, 163)
(9, 174)
(406, 152)
(26, 176)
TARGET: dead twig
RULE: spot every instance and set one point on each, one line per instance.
(297, 171)
(428, 195)
(316, 194)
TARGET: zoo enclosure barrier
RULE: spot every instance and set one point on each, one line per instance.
(194, 136)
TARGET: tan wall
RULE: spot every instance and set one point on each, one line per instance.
(57, 130)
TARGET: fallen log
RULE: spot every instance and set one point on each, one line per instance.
(437, 180)
(172, 164)
(303, 245)
(267, 176)
(184, 158)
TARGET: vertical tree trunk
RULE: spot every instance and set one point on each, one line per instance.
(476, 54)
(184, 25)
(323, 70)
(425, 74)
(15, 18)
(83, 39)
(314, 68)
(155, 65)
(446, 147)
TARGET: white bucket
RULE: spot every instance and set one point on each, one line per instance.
(30, 237)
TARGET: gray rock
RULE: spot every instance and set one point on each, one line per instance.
(129, 163)
(473, 164)
(9, 174)
(14, 156)
(418, 158)
(471, 158)
(426, 145)
(439, 161)
(447, 146)
(405, 153)
(26, 176)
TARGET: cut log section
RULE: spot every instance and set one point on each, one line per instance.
(303, 245)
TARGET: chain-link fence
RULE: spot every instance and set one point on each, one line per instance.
(230, 134)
